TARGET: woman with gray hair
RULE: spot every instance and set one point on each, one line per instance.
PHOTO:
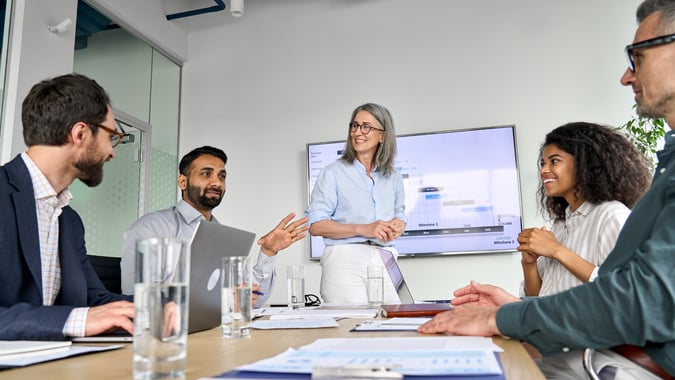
(357, 206)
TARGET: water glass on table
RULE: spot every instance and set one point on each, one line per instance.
(295, 275)
(375, 286)
(160, 302)
(236, 297)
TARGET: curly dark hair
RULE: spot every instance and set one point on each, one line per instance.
(608, 166)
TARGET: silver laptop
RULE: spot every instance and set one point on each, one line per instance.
(397, 279)
(396, 276)
(210, 243)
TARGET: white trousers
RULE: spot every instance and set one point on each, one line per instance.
(608, 364)
(344, 274)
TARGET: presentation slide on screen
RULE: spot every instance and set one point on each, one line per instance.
(462, 190)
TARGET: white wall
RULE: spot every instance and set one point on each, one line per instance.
(34, 53)
(290, 72)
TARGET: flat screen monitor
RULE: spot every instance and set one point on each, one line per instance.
(462, 190)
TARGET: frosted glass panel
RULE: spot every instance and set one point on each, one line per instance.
(144, 85)
(108, 209)
(163, 186)
(122, 64)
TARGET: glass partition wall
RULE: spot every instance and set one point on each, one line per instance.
(144, 87)
(5, 17)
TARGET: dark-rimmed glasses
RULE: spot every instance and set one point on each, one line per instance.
(115, 136)
(365, 128)
(657, 41)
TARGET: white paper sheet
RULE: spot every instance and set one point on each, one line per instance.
(410, 356)
(394, 324)
(10, 349)
(282, 312)
(295, 323)
(424, 343)
(71, 351)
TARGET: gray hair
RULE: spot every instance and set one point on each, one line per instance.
(386, 151)
(666, 8)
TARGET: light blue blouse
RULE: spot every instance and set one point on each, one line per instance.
(344, 193)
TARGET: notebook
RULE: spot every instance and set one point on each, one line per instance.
(210, 242)
(408, 307)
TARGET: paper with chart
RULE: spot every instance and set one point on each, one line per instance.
(422, 356)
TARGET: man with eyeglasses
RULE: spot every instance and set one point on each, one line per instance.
(628, 313)
(201, 179)
(49, 290)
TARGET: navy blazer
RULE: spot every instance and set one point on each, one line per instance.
(22, 313)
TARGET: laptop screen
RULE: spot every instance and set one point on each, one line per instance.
(210, 242)
(396, 276)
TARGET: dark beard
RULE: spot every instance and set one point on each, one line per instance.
(194, 194)
(91, 172)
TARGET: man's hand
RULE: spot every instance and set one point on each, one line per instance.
(110, 317)
(283, 235)
(476, 294)
(466, 320)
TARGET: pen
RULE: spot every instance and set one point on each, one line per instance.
(258, 293)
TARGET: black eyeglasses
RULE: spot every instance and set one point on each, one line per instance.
(365, 128)
(646, 44)
(115, 136)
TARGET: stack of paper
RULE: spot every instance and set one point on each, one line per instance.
(13, 349)
(278, 313)
(417, 356)
(393, 324)
(294, 323)
(19, 353)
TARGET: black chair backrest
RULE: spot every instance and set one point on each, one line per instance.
(108, 270)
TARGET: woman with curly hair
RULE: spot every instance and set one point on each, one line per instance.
(591, 176)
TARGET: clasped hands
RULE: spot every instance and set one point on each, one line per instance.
(535, 242)
(385, 231)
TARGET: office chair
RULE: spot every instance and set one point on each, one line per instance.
(108, 270)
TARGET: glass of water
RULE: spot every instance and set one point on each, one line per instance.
(236, 297)
(160, 300)
(295, 275)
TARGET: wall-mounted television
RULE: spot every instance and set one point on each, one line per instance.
(462, 190)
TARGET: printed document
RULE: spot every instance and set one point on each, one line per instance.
(421, 356)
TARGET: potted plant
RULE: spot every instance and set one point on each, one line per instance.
(646, 134)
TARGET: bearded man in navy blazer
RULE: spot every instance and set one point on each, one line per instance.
(49, 289)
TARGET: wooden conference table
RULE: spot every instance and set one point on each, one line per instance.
(210, 355)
